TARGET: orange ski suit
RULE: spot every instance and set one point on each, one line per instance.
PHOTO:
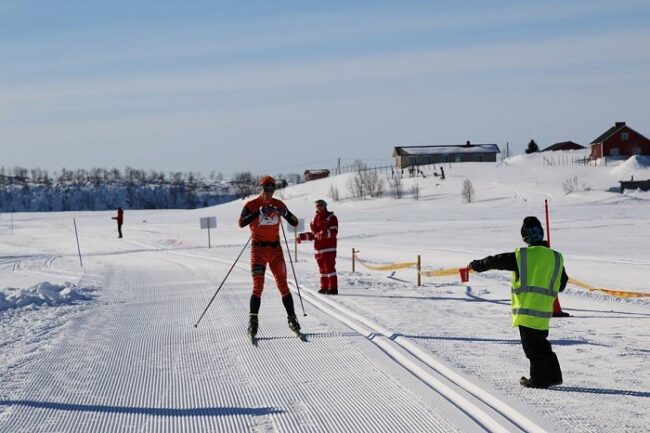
(263, 217)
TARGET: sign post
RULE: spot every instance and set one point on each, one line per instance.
(208, 223)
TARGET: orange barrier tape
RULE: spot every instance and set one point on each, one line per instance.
(615, 293)
(389, 267)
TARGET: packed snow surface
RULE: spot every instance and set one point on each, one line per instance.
(111, 346)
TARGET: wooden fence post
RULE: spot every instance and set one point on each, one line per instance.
(419, 269)
(353, 260)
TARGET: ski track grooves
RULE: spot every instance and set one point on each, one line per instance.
(134, 363)
(387, 340)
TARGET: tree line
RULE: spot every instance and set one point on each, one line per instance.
(33, 190)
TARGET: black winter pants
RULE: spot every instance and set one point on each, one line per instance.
(544, 365)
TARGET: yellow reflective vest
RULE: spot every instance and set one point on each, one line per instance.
(536, 286)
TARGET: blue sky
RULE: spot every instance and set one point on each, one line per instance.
(283, 86)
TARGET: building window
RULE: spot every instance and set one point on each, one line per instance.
(625, 136)
(614, 151)
(412, 161)
(636, 151)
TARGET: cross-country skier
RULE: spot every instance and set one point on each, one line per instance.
(324, 230)
(263, 216)
(538, 275)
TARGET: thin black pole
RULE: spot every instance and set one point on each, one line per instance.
(221, 285)
(77, 236)
(292, 269)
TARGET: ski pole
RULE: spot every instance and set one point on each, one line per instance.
(221, 285)
(293, 270)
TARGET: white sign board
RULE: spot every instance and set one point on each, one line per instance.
(208, 222)
(299, 228)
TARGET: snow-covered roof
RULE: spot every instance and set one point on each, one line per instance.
(447, 149)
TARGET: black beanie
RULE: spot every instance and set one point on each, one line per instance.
(531, 230)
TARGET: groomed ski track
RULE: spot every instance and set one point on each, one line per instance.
(134, 362)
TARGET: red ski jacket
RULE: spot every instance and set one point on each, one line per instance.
(324, 230)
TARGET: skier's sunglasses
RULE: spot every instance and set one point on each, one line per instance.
(268, 187)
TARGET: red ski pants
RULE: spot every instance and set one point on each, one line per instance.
(327, 266)
(260, 257)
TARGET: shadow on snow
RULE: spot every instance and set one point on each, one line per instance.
(643, 394)
(154, 411)
(563, 342)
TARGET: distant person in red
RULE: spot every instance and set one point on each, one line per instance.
(324, 230)
(120, 220)
(262, 215)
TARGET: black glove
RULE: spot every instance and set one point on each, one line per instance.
(267, 210)
(474, 264)
(283, 211)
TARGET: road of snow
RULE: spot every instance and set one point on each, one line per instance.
(134, 362)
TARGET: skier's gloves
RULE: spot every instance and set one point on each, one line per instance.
(268, 210)
(473, 265)
(283, 211)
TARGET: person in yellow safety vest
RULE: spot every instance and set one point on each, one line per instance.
(538, 275)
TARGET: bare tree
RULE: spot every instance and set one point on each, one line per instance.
(365, 182)
(355, 183)
(374, 185)
(396, 186)
(573, 184)
(334, 193)
(244, 184)
(415, 189)
(468, 191)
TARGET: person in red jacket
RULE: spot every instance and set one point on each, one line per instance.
(324, 230)
(262, 215)
(120, 221)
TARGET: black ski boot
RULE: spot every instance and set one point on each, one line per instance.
(295, 327)
(293, 324)
(252, 326)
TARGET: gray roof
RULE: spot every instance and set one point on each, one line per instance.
(446, 149)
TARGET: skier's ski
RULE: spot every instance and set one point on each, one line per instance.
(252, 338)
(301, 336)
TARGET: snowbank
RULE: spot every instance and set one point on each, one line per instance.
(632, 165)
(44, 293)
